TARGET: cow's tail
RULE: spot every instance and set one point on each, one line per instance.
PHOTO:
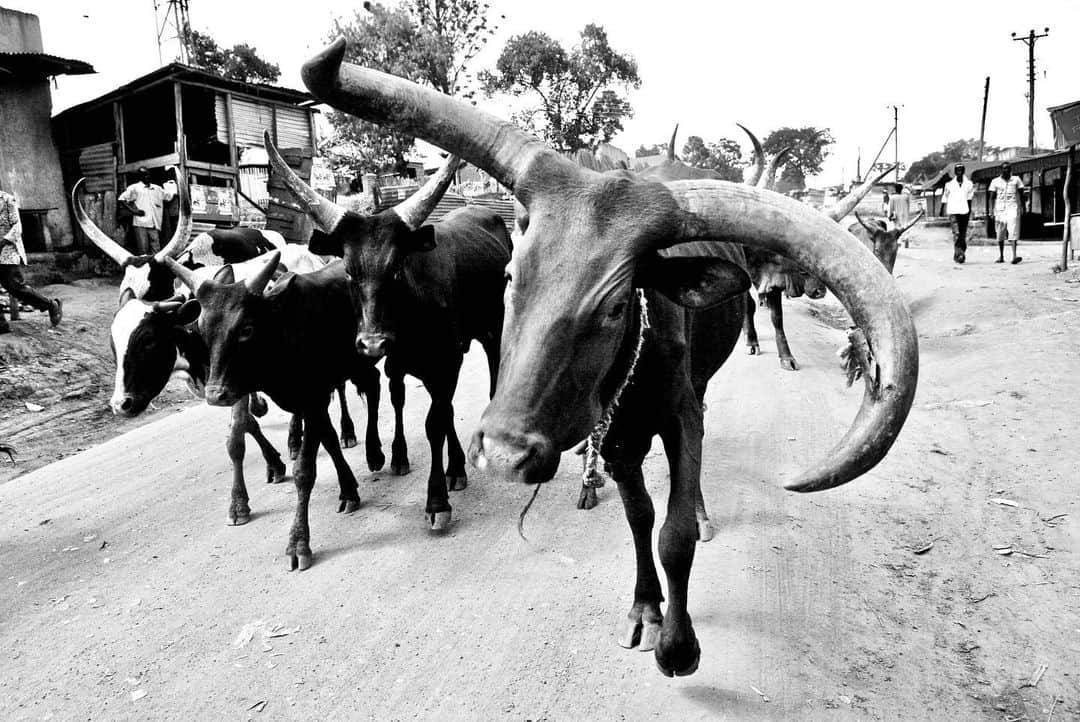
(257, 406)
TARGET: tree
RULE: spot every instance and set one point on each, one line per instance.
(578, 90)
(809, 148)
(933, 163)
(431, 42)
(724, 157)
(654, 149)
(240, 62)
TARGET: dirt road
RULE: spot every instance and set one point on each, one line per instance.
(125, 595)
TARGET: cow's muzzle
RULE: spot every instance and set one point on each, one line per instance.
(220, 395)
(128, 405)
(527, 458)
(374, 345)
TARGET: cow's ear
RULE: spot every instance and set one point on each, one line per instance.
(225, 275)
(188, 313)
(126, 295)
(422, 239)
(694, 282)
(325, 244)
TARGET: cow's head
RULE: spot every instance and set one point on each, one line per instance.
(881, 239)
(231, 320)
(145, 338)
(584, 240)
(374, 249)
(140, 334)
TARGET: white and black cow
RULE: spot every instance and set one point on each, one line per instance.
(152, 343)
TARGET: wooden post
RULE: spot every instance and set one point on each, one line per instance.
(982, 126)
(1066, 234)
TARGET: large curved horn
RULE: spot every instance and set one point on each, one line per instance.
(768, 178)
(762, 219)
(759, 158)
(108, 246)
(487, 142)
(185, 274)
(671, 145)
(257, 283)
(323, 211)
(863, 224)
(907, 228)
(848, 203)
(181, 237)
(415, 209)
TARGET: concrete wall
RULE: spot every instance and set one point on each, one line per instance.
(29, 162)
(19, 32)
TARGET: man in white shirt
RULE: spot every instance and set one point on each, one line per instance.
(145, 200)
(1007, 195)
(957, 201)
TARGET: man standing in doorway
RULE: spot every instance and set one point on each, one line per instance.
(1007, 196)
(12, 255)
(957, 201)
(145, 200)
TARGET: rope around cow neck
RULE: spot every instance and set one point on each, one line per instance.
(591, 476)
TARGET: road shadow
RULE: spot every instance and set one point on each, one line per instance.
(725, 703)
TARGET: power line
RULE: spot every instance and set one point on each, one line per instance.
(1029, 40)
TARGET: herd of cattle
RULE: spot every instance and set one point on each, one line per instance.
(612, 277)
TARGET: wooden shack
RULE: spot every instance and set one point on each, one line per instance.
(187, 117)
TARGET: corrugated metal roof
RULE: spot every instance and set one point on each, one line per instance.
(42, 65)
(1057, 159)
(453, 201)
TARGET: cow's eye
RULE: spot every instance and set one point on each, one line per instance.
(246, 333)
(616, 312)
(509, 279)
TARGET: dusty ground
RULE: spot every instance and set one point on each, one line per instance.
(126, 597)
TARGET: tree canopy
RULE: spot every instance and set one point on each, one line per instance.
(580, 104)
(933, 163)
(809, 148)
(431, 42)
(724, 157)
(240, 62)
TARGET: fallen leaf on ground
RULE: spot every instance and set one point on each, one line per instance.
(31, 406)
(258, 706)
(923, 550)
(761, 694)
(1036, 676)
(246, 633)
(1005, 502)
(137, 695)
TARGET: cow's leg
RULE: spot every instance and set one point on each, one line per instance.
(316, 425)
(399, 450)
(677, 651)
(748, 326)
(348, 431)
(239, 511)
(643, 624)
(349, 494)
(491, 350)
(275, 468)
(774, 299)
(439, 420)
(456, 478)
(296, 436)
(369, 386)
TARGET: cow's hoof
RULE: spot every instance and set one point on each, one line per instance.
(789, 364)
(299, 557)
(677, 667)
(704, 530)
(753, 349)
(439, 520)
(587, 498)
(457, 482)
(275, 473)
(239, 518)
(399, 468)
(641, 634)
(376, 459)
(347, 442)
(348, 506)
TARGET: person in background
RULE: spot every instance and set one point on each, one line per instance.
(145, 200)
(13, 255)
(900, 208)
(1007, 197)
(957, 201)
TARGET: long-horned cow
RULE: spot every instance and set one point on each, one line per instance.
(421, 294)
(585, 242)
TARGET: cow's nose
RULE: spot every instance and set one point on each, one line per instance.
(372, 344)
(127, 404)
(527, 458)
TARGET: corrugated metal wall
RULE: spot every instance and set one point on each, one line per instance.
(293, 129)
(221, 118)
(251, 120)
(97, 164)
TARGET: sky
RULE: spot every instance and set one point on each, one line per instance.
(706, 65)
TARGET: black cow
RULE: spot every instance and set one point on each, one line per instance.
(421, 294)
(294, 343)
(573, 318)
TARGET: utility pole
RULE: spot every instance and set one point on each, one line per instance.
(1030, 42)
(858, 166)
(982, 126)
(172, 23)
(896, 139)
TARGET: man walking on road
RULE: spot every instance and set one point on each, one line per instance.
(1007, 196)
(957, 201)
(145, 200)
(12, 255)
